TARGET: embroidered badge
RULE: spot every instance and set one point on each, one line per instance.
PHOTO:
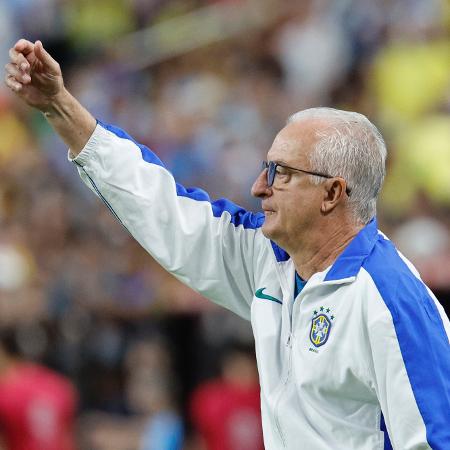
(321, 324)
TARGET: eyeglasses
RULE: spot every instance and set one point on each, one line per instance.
(271, 167)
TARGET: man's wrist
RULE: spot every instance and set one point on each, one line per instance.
(57, 103)
(70, 120)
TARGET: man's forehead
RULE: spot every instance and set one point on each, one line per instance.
(296, 139)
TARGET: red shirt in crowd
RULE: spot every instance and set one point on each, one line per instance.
(228, 417)
(37, 409)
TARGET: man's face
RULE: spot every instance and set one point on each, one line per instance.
(292, 204)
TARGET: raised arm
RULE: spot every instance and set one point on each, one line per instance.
(36, 78)
(211, 246)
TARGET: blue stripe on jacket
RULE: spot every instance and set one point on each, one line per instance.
(239, 216)
(421, 336)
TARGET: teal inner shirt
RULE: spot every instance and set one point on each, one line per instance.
(299, 284)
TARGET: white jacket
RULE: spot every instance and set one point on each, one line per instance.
(363, 348)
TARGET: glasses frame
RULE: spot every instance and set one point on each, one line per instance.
(271, 167)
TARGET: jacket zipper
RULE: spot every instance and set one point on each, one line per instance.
(283, 388)
(282, 277)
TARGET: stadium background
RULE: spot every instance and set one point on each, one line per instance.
(207, 84)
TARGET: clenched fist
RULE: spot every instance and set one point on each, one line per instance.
(37, 79)
(33, 74)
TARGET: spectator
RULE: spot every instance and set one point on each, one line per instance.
(226, 411)
(37, 405)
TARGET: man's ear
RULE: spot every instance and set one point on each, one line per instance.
(334, 193)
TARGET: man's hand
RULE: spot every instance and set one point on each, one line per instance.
(36, 78)
(33, 74)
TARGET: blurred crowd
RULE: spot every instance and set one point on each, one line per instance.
(83, 299)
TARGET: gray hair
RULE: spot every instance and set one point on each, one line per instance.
(351, 148)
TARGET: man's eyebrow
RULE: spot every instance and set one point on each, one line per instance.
(277, 160)
(282, 162)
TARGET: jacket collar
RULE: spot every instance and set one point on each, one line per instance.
(352, 258)
(348, 264)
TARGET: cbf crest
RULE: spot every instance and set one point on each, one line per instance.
(321, 325)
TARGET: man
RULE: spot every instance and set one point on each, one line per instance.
(352, 348)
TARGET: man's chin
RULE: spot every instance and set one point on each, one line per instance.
(268, 231)
(271, 231)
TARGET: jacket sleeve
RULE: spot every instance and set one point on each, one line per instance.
(210, 246)
(411, 361)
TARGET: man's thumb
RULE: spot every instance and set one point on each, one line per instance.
(44, 57)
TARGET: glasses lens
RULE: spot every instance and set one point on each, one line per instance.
(270, 166)
(271, 173)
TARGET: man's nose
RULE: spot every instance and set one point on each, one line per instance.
(260, 188)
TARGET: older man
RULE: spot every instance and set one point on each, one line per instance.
(352, 348)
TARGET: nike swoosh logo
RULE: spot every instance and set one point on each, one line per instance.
(259, 293)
